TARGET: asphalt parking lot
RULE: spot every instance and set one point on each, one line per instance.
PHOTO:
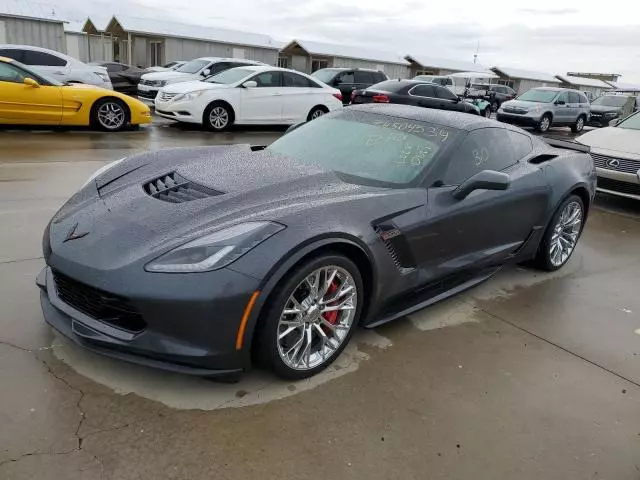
(528, 376)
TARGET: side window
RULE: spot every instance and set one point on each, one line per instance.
(346, 77)
(484, 149)
(573, 97)
(294, 80)
(444, 93)
(220, 67)
(267, 79)
(115, 67)
(8, 73)
(583, 98)
(563, 97)
(31, 57)
(423, 91)
(363, 77)
(12, 53)
(379, 77)
(521, 144)
(510, 91)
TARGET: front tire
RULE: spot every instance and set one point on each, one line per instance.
(487, 112)
(316, 112)
(218, 117)
(544, 124)
(562, 235)
(110, 115)
(495, 106)
(579, 125)
(310, 320)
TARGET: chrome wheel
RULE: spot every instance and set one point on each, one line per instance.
(316, 114)
(111, 116)
(565, 234)
(219, 118)
(317, 318)
(545, 123)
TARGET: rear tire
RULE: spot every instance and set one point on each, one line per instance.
(495, 106)
(487, 112)
(562, 235)
(218, 117)
(579, 125)
(330, 331)
(544, 124)
(109, 115)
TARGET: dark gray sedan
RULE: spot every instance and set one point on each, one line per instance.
(203, 260)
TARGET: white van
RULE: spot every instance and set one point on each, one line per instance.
(457, 82)
(197, 69)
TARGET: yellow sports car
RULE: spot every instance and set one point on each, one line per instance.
(28, 98)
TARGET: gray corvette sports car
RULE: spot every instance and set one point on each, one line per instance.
(206, 260)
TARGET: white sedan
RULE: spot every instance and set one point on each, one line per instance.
(252, 95)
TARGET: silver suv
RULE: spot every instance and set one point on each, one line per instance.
(545, 107)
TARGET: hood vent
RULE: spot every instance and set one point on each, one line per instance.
(175, 188)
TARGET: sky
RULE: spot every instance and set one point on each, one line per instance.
(552, 36)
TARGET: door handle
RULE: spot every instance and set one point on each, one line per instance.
(58, 72)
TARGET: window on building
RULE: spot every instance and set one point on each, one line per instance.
(238, 53)
(317, 64)
(283, 62)
(484, 149)
(156, 52)
(32, 57)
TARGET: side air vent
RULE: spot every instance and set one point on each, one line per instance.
(175, 188)
(397, 247)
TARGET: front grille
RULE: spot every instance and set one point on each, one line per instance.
(624, 164)
(151, 94)
(175, 188)
(111, 309)
(147, 82)
(519, 111)
(165, 97)
(618, 186)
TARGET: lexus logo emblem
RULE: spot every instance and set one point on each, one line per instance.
(72, 235)
(613, 163)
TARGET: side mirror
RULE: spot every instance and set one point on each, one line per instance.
(484, 180)
(30, 82)
(206, 72)
(615, 122)
(293, 127)
(250, 84)
(560, 102)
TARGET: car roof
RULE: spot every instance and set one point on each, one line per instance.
(558, 89)
(458, 120)
(223, 59)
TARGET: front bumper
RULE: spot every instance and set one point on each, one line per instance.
(596, 120)
(619, 183)
(186, 330)
(147, 94)
(180, 111)
(523, 120)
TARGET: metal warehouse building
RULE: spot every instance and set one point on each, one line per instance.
(423, 65)
(26, 23)
(309, 56)
(523, 80)
(147, 42)
(594, 85)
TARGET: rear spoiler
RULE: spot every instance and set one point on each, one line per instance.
(567, 144)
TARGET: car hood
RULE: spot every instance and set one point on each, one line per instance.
(168, 75)
(185, 87)
(521, 104)
(613, 139)
(605, 109)
(126, 224)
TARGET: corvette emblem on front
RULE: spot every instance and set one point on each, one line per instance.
(72, 235)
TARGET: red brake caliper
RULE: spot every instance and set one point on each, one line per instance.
(331, 317)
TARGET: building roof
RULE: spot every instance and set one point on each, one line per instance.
(348, 51)
(165, 28)
(625, 87)
(99, 22)
(74, 27)
(28, 9)
(526, 74)
(583, 82)
(446, 63)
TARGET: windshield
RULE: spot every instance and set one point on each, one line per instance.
(367, 147)
(424, 78)
(632, 122)
(232, 75)
(539, 96)
(194, 66)
(325, 75)
(610, 101)
(480, 86)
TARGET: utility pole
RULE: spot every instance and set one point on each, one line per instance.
(475, 55)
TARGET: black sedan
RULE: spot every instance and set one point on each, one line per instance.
(124, 78)
(411, 92)
(201, 260)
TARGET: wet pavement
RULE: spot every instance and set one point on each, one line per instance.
(528, 376)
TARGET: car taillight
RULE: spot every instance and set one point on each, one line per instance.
(338, 96)
(379, 98)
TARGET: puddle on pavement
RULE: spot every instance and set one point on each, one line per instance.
(186, 392)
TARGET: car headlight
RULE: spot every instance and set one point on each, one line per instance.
(100, 171)
(215, 250)
(535, 109)
(103, 76)
(161, 83)
(187, 97)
